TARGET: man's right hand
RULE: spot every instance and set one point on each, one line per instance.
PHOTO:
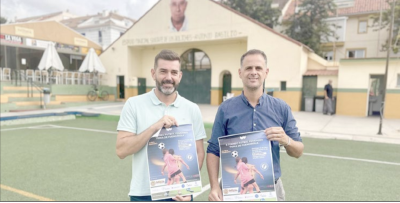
(168, 121)
(215, 195)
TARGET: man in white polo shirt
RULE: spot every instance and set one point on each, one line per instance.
(144, 115)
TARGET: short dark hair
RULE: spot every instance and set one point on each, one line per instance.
(253, 52)
(171, 151)
(237, 159)
(244, 159)
(164, 151)
(168, 55)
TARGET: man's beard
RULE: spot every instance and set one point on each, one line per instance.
(166, 91)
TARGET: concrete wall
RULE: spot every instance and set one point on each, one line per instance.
(353, 86)
(292, 98)
(392, 106)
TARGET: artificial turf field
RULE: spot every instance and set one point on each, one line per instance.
(75, 160)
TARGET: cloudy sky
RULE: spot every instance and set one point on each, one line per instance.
(28, 8)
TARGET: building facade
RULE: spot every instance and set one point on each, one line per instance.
(357, 49)
(211, 45)
(103, 28)
(23, 44)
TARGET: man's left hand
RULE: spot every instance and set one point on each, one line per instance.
(182, 198)
(277, 134)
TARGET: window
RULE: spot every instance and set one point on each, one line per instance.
(358, 53)
(398, 80)
(100, 38)
(283, 85)
(195, 59)
(362, 27)
(328, 56)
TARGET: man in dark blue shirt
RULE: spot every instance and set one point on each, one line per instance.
(254, 111)
(328, 90)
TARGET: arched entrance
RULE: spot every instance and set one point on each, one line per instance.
(196, 80)
(226, 83)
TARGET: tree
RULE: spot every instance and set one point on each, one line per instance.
(308, 26)
(385, 22)
(3, 20)
(259, 10)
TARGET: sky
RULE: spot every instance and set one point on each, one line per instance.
(28, 8)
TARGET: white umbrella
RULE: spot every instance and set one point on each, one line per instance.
(50, 59)
(92, 63)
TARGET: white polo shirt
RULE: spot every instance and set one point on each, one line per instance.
(183, 28)
(138, 114)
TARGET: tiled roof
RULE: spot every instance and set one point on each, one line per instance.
(359, 7)
(364, 6)
(321, 72)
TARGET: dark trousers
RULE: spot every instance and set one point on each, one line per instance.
(148, 199)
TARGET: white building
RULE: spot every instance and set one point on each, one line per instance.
(103, 28)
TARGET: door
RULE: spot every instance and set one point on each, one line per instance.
(375, 97)
(196, 79)
(196, 85)
(121, 87)
(141, 86)
(309, 90)
(226, 84)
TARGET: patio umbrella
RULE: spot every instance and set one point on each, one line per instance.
(92, 63)
(50, 59)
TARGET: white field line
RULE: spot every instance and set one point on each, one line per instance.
(205, 188)
(104, 107)
(57, 126)
(115, 132)
(31, 127)
(351, 159)
(86, 129)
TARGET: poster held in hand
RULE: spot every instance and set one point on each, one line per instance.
(247, 168)
(173, 164)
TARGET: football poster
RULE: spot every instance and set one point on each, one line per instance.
(173, 164)
(246, 167)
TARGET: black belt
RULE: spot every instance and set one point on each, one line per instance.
(276, 180)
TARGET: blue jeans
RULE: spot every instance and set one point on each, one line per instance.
(148, 199)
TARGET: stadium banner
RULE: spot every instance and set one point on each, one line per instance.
(246, 167)
(173, 164)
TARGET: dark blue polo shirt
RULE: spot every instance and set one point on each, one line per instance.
(236, 115)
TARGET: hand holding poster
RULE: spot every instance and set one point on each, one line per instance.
(172, 159)
(247, 170)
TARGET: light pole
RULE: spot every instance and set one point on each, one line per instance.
(387, 67)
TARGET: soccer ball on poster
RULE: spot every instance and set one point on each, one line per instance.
(235, 154)
(161, 146)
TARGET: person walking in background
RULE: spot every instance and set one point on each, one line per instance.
(328, 102)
